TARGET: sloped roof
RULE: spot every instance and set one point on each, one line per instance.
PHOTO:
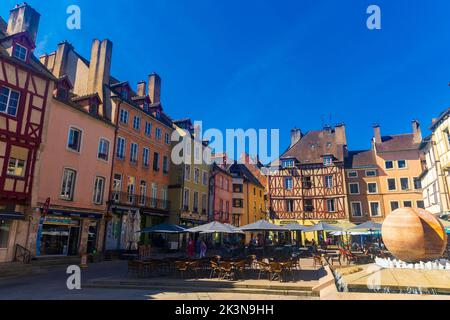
(399, 142)
(360, 159)
(314, 145)
(243, 171)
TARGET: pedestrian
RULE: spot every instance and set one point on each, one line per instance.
(202, 249)
(190, 248)
(197, 247)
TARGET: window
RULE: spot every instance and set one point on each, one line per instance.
(371, 173)
(289, 205)
(186, 199)
(391, 184)
(401, 164)
(205, 178)
(306, 182)
(120, 153)
(372, 187)
(16, 167)
(156, 161)
(329, 182)
(145, 157)
(404, 183)
(99, 187)
(124, 94)
(331, 205)
(287, 163)
(288, 183)
(356, 209)
(148, 129)
(136, 123)
(238, 203)
(133, 152)
(123, 117)
(195, 209)
(130, 189)
(167, 138)
(417, 183)
(165, 165)
(204, 204)
(154, 195)
(327, 160)
(227, 207)
(238, 188)
(158, 133)
(374, 209)
(74, 141)
(389, 165)
(352, 174)
(446, 135)
(5, 226)
(164, 197)
(103, 149)
(394, 205)
(187, 172)
(20, 52)
(116, 187)
(308, 205)
(196, 175)
(407, 204)
(420, 204)
(354, 188)
(142, 192)
(68, 184)
(9, 101)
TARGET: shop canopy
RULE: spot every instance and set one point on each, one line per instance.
(262, 225)
(11, 215)
(295, 227)
(214, 227)
(164, 228)
(368, 225)
(322, 226)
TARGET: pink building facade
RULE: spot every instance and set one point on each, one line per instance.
(220, 194)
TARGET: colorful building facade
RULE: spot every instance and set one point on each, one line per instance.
(220, 194)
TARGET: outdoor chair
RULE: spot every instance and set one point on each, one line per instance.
(195, 267)
(263, 268)
(330, 259)
(317, 260)
(226, 268)
(182, 268)
(250, 262)
(275, 271)
(240, 267)
(135, 268)
(289, 266)
(215, 269)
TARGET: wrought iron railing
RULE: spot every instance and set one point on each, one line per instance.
(137, 200)
(22, 254)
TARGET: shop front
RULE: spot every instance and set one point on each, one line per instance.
(13, 226)
(119, 226)
(66, 233)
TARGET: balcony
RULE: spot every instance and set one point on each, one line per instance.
(223, 217)
(124, 198)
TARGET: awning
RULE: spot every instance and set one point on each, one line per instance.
(11, 215)
(262, 225)
(75, 214)
(163, 228)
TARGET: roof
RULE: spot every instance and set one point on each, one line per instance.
(314, 145)
(399, 142)
(444, 114)
(243, 171)
(360, 159)
(87, 96)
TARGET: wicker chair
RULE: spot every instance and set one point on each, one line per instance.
(226, 268)
(215, 269)
(182, 268)
(263, 268)
(275, 271)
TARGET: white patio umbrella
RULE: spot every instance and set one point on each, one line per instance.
(368, 225)
(262, 225)
(214, 227)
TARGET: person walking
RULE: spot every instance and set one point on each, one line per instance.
(190, 248)
(202, 249)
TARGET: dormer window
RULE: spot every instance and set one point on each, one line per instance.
(124, 94)
(146, 106)
(288, 163)
(62, 93)
(327, 160)
(93, 108)
(20, 52)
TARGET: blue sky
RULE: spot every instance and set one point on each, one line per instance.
(273, 64)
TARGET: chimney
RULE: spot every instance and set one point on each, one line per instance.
(154, 87)
(377, 133)
(99, 66)
(23, 18)
(341, 136)
(141, 88)
(296, 135)
(416, 131)
(61, 59)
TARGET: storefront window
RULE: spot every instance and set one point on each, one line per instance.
(4, 233)
(92, 237)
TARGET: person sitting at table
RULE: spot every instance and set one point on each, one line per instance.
(313, 247)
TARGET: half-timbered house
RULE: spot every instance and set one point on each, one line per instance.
(307, 184)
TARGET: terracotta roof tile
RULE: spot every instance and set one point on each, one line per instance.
(400, 142)
(360, 159)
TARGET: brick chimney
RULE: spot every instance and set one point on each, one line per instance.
(3, 25)
(377, 133)
(141, 88)
(341, 136)
(61, 59)
(154, 87)
(23, 18)
(296, 135)
(416, 131)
